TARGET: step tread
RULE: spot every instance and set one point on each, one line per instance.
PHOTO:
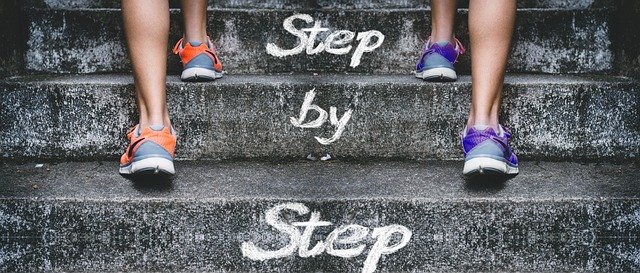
(262, 9)
(435, 181)
(274, 79)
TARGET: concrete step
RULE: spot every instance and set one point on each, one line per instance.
(563, 4)
(290, 4)
(546, 40)
(393, 116)
(552, 217)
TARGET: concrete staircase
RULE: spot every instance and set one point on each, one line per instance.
(571, 99)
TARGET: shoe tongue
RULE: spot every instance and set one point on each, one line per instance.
(195, 44)
(442, 44)
(157, 127)
(481, 127)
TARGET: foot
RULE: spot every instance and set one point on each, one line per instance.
(436, 63)
(488, 152)
(151, 151)
(199, 61)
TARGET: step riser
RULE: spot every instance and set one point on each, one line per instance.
(207, 235)
(393, 117)
(12, 39)
(627, 27)
(549, 41)
(279, 4)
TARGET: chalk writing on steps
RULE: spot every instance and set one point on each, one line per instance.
(352, 235)
(337, 42)
(307, 105)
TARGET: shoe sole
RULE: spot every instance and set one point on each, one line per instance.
(155, 165)
(484, 165)
(440, 74)
(199, 74)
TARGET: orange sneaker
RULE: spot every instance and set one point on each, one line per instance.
(151, 150)
(199, 61)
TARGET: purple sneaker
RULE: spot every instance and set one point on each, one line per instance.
(486, 151)
(436, 63)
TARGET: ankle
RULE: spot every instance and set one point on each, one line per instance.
(437, 38)
(195, 38)
(480, 123)
(154, 121)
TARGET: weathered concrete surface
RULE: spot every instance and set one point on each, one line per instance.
(256, 4)
(569, 117)
(13, 39)
(627, 38)
(552, 217)
(549, 41)
(578, 4)
(262, 4)
(319, 180)
(290, 4)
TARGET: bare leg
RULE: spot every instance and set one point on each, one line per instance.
(490, 27)
(146, 24)
(194, 13)
(443, 13)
